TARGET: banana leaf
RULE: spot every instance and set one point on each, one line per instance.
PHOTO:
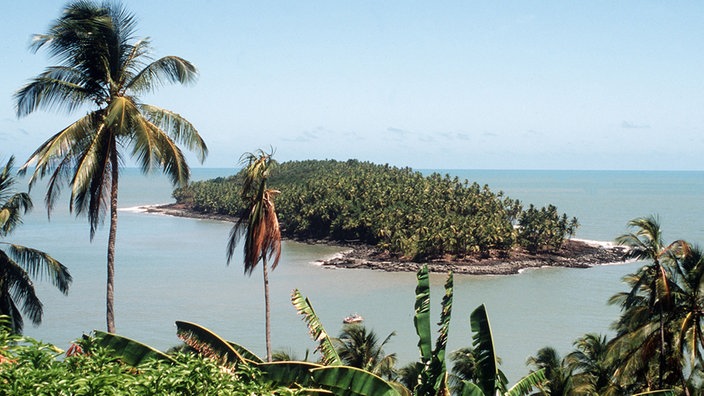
(246, 353)
(471, 389)
(433, 377)
(421, 320)
(208, 343)
(130, 351)
(490, 378)
(346, 380)
(316, 329)
(402, 390)
(289, 373)
(525, 385)
(445, 315)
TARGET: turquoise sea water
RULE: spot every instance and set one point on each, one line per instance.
(172, 269)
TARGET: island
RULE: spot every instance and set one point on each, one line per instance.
(397, 219)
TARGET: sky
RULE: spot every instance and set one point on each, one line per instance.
(430, 85)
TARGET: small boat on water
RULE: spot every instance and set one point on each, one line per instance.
(353, 318)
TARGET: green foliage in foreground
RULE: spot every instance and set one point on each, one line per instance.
(400, 211)
(31, 368)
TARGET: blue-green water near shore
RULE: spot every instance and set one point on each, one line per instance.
(172, 269)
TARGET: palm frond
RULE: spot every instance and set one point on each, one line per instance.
(257, 168)
(42, 266)
(178, 128)
(167, 156)
(57, 88)
(153, 147)
(17, 287)
(326, 347)
(12, 205)
(56, 156)
(631, 351)
(167, 69)
(93, 177)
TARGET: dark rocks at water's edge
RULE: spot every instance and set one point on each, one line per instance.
(573, 254)
(181, 210)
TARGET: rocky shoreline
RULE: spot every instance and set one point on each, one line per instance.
(574, 253)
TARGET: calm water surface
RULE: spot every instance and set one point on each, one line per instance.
(172, 269)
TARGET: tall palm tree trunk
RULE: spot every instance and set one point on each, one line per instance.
(110, 295)
(267, 310)
(662, 359)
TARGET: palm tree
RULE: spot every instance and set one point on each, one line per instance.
(558, 374)
(18, 264)
(465, 367)
(588, 363)
(259, 224)
(101, 65)
(647, 244)
(360, 348)
(688, 315)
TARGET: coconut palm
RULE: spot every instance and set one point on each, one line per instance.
(588, 363)
(359, 347)
(465, 367)
(18, 264)
(688, 315)
(558, 374)
(259, 224)
(646, 244)
(101, 66)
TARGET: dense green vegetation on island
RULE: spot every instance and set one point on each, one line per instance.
(401, 211)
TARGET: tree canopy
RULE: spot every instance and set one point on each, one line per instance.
(400, 211)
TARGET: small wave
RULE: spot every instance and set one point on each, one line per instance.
(591, 242)
(331, 257)
(140, 208)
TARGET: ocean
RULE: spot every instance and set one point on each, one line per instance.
(170, 268)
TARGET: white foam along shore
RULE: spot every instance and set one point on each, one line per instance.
(142, 208)
(591, 242)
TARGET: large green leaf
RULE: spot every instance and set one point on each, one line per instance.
(208, 343)
(289, 373)
(433, 376)
(246, 353)
(526, 384)
(471, 389)
(666, 392)
(402, 390)
(346, 380)
(130, 351)
(445, 316)
(316, 329)
(421, 319)
(483, 344)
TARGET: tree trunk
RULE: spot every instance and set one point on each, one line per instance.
(267, 310)
(110, 295)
